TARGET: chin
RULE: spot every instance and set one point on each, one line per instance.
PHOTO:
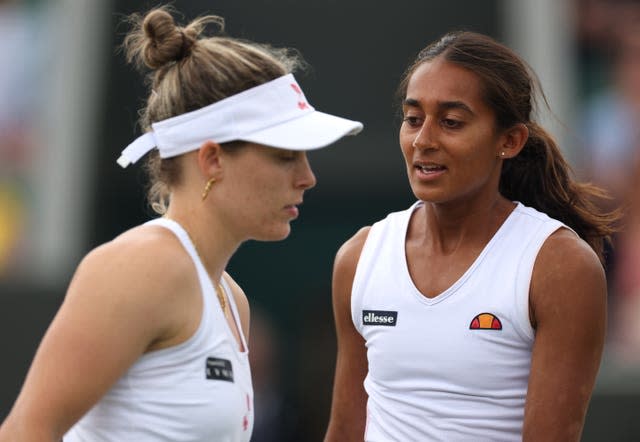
(275, 234)
(427, 197)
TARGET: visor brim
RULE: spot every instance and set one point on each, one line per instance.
(310, 131)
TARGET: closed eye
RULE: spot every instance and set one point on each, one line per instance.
(288, 155)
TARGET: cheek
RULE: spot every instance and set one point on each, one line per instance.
(479, 148)
(474, 165)
(478, 165)
(406, 146)
(243, 192)
(259, 195)
(242, 198)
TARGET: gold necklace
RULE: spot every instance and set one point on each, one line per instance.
(223, 302)
(218, 287)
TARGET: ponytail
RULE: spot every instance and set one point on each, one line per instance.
(541, 178)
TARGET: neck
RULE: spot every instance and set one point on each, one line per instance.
(447, 227)
(213, 242)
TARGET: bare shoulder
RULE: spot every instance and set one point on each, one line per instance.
(146, 263)
(567, 272)
(349, 252)
(564, 253)
(344, 269)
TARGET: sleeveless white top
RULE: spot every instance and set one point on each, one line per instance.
(197, 391)
(454, 367)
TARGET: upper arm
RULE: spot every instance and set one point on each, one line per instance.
(568, 307)
(96, 335)
(348, 410)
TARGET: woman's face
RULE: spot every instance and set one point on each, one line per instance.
(448, 136)
(261, 189)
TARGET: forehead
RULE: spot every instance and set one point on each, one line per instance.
(441, 81)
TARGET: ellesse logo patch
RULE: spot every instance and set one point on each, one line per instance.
(485, 321)
(379, 317)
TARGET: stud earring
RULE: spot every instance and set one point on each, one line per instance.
(207, 188)
(501, 154)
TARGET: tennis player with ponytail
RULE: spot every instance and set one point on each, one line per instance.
(478, 314)
(150, 343)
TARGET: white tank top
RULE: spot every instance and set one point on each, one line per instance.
(197, 391)
(454, 367)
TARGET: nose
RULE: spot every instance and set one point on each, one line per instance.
(305, 179)
(424, 137)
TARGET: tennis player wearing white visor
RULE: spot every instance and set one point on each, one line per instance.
(150, 343)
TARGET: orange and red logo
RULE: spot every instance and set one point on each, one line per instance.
(485, 321)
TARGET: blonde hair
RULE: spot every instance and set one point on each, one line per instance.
(190, 71)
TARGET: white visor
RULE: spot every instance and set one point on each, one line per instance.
(275, 114)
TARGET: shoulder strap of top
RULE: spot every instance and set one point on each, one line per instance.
(234, 310)
(205, 282)
(179, 231)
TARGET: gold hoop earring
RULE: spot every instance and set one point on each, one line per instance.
(207, 188)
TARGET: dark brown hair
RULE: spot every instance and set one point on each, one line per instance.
(539, 176)
(189, 71)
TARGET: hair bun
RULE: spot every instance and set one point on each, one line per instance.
(155, 40)
(165, 41)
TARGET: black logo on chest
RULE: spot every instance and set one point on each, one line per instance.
(379, 317)
(219, 369)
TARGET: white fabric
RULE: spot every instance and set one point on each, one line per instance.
(166, 396)
(431, 377)
(275, 114)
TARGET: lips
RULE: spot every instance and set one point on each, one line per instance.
(429, 167)
(292, 211)
(293, 205)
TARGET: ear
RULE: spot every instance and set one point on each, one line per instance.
(209, 159)
(512, 141)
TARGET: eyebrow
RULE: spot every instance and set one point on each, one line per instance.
(444, 105)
